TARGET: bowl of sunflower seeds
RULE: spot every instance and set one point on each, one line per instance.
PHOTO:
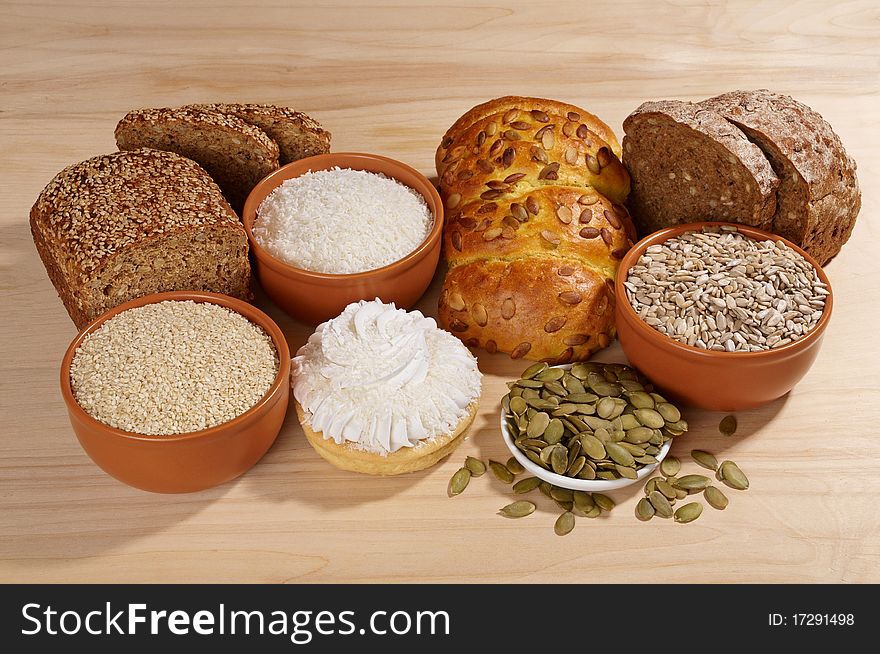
(588, 426)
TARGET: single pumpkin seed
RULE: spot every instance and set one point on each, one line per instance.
(459, 481)
(564, 523)
(593, 447)
(692, 482)
(573, 384)
(603, 501)
(561, 494)
(626, 472)
(728, 425)
(661, 504)
(583, 501)
(533, 370)
(518, 405)
(554, 431)
(733, 476)
(515, 466)
(518, 509)
(715, 498)
(641, 400)
(669, 412)
(705, 459)
(538, 424)
(618, 454)
(689, 512)
(577, 464)
(664, 487)
(501, 472)
(649, 418)
(639, 434)
(644, 510)
(607, 475)
(651, 486)
(536, 458)
(595, 512)
(476, 467)
(550, 374)
(559, 459)
(526, 485)
(670, 466)
(587, 472)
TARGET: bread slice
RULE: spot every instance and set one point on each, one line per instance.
(298, 136)
(235, 153)
(818, 197)
(689, 164)
(126, 224)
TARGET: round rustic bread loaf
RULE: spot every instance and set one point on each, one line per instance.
(531, 243)
(818, 198)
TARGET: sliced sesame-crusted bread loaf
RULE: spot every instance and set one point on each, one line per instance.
(298, 136)
(818, 197)
(126, 224)
(235, 153)
(689, 164)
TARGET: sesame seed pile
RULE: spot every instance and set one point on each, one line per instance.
(173, 367)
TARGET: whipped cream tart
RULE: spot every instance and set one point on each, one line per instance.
(384, 391)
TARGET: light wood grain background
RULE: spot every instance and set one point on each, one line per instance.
(390, 78)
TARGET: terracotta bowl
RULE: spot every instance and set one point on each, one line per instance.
(718, 381)
(185, 462)
(314, 297)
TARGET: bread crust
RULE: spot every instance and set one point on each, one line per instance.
(818, 199)
(527, 104)
(404, 460)
(297, 134)
(538, 153)
(99, 210)
(235, 153)
(526, 308)
(531, 240)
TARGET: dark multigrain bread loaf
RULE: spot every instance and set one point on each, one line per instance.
(818, 197)
(298, 136)
(126, 224)
(235, 153)
(689, 164)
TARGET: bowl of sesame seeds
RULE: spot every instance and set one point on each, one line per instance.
(721, 316)
(177, 392)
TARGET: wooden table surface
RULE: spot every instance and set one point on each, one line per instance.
(390, 78)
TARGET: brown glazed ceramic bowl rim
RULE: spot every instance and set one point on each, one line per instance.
(342, 160)
(664, 341)
(241, 307)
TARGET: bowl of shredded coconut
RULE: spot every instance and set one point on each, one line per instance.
(337, 228)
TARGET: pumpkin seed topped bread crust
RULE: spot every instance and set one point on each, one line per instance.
(533, 106)
(235, 153)
(506, 153)
(818, 198)
(531, 242)
(122, 225)
(298, 135)
(688, 164)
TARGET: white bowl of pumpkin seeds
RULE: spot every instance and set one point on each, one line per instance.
(588, 426)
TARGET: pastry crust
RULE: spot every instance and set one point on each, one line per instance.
(407, 459)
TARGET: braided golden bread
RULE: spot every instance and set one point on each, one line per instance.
(535, 228)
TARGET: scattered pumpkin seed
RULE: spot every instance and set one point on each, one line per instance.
(715, 498)
(603, 501)
(583, 501)
(526, 485)
(514, 466)
(661, 504)
(518, 509)
(728, 425)
(501, 472)
(564, 523)
(692, 482)
(733, 476)
(459, 481)
(477, 468)
(705, 459)
(670, 466)
(644, 510)
(688, 512)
